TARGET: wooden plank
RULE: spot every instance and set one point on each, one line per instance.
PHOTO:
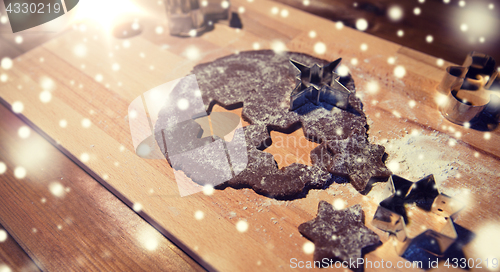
(65, 220)
(272, 238)
(13, 257)
(7, 50)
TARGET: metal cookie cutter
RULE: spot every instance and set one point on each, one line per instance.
(391, 215)
(467, 87)
(317, 84)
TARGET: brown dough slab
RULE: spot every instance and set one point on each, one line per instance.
(339, 235)
(262, 83)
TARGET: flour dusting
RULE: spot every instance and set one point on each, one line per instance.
(417, 155)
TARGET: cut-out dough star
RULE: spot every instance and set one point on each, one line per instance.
(317, 84)
(354, 158)
(339, 234)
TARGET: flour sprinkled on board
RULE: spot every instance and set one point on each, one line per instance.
(416, 155)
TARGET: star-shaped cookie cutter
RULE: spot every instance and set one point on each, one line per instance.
(415, 250)
(317, 84)
(391, 214)
(465, 87)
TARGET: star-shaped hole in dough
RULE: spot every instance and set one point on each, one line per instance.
(339, 235)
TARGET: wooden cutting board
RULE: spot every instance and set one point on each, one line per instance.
(92, 96)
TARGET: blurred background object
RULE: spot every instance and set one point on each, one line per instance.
(193, 17)
(185, 18)
(447, 29)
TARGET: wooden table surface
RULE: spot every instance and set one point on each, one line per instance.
(64, 221)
